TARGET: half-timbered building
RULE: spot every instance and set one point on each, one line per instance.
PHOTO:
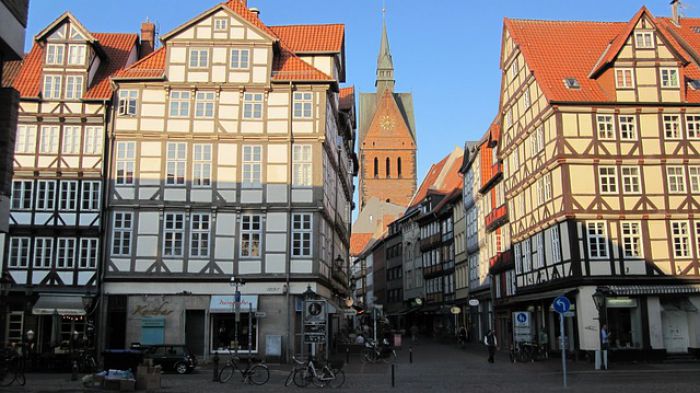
(600, 151)
(54, 243)
(232, 157)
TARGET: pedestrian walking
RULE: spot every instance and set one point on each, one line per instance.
(414, 333)
(604, 345)
(462, 336)
(491, 342)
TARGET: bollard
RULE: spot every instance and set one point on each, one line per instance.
(410, 354)
(393, 377)
(215, 367)
(74, 371)
(347, 355)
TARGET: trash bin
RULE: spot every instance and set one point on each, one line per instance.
(122, 359)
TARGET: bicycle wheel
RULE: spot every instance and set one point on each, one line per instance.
(290, 378)
(259, 374)
(302, 377)
(338, 379)
(369, 355)
(226, 373)
(20, 378)
(7, 375)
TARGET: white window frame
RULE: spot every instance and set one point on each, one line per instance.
(628, 127)
(173, 235)
(220, 24)
(302, 162)
(597, 238)
(180, 103)
(91, 195)
(68, 196)
(43, 252)
(22, 195)
(201, 165)
(93, 140)
(694, 176)
(176, 163)
(71, 139)
(52, 87)
(672, 127)
(76, 54)
(200, 235)
(302, 235)
(303, 105)
(692, 123)
(122, 233)
(49, 139)
(538, 260)
(631, 236)
(239, 59)
(46, 195)
(196, 60)
(631, 179)
(621, 76)
(74, 87)
(253, 106)
(250, 234)
(527, 255)
(125, 166)
(548, 192)
(19, 252)
(680, 235)
(606, 126)
(205, 105)
(25, 142)
(670, 77)
(55, 54)
(556, 244)
(252, 166)
(526, 98)
(675, 177)
(128, 103)
(607, 180)
(644, 39)
(89, 253)
(66, 248)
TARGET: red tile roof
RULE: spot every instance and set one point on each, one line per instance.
(443, 177)
(358, 242)
(151, 66)
(239, 8)
(288, 67)
(556, 50)
(428, 182)
(312, 38)
(346, 98)
(115, 46)
(10, 70)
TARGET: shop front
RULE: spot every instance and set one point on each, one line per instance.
(231, 330)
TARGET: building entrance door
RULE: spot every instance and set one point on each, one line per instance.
(675, 325)
(194, 331)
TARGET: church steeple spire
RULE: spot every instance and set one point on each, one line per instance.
(385, 64)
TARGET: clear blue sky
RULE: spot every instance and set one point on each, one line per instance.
(446, 52)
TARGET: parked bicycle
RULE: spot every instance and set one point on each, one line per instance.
(305, 372)
(373, 352)
(11, 368)
(527, 352)
(257, 374)
(86, 362)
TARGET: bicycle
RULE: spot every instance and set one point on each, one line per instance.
(308, 373)
(86, 362)
(11, 368)
(256, 374)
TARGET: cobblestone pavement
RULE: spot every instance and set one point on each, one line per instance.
(442, 368)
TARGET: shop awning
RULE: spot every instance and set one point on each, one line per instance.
(540, 295)
(632, 290)
(224, 304)
(682, 304)
(48, 304)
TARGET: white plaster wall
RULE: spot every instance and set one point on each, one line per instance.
(587, 319)
(656, 333)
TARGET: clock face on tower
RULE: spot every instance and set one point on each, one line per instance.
(387, 123)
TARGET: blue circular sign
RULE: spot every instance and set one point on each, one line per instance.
(561, 304)
(521, 317)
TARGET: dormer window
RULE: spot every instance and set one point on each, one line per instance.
(76, 54)
(54, 54)
(52, 86)
(694, 84)
(644, 39)
(669, 77)
(572, 83)
(74, 87)
(75, 34)
(624, 78)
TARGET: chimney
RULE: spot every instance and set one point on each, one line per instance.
(148, 38)
(254, 10)
(675, 4)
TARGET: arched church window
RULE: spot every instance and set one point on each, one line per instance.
(376, 167)
(398, 166)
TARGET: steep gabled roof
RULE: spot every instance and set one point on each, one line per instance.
(312, 38)
(346, 98)
(358, 242)
(10, 70)
(289, 67)
(73, 20)
(443, 177)
(150, 67)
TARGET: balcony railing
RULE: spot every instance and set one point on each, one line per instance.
(496, 218)
(433, 298)
(431, 271)
(430, 242)
(501, 262)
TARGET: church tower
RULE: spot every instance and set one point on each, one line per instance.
(387, 140)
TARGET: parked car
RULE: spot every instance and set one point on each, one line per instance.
(171, 357)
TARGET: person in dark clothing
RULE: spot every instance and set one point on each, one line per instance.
(491, 342)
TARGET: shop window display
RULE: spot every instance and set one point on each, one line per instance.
(224, 336)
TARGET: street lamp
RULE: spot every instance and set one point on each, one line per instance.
(309, 293)
(236, 283)
(600, 298)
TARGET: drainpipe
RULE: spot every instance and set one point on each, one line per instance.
(101, 303)
(290, 332)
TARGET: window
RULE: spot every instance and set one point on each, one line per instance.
(54, 53)
(173, 234)
(302, 105)
(527, 256)
(126, 154)
(518, 259)
(526, 98)
(93, 140)
(19, 252)
(697, 234)
(180, 103)
(199, 237)
(251, 232)
(538, 248)
(398, 166)
(694, 174)
(547, 186)
(43, 252)
(252, 166)
(515, 160)
(76, 54)
(204, 104)
(597, 240)
(88, 253)
(252, 105)
(46, 195)
(71, 140)
(607, 176)
(301, 235)
(514, 69)
(669, 77)
(675, 175)
(387, 167)
(376, 167)
(75, 34)
(644, 39)
(538, 140)
(74, 87)
(628, 127)
(556, 244)
(68, 196)
(632, 239)
(693, 126)
(52, 86)
(240, 59)
(630, 179)
(199, 58)
(121, 234)
(201, 168)
(127, 102)
(220, 24)
(623, 78)
(540, 191)
(22, 194)
(681, 239)
(49, 139)
(91, 196)
(606, 127)
(302, 165)
(25, 141)
(176, 162)
(672, 127)
(65, 253)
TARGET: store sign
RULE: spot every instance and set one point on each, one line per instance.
(226, 303)
(147, 310)
(522, 326)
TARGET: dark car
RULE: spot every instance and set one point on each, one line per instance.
(171, 357)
